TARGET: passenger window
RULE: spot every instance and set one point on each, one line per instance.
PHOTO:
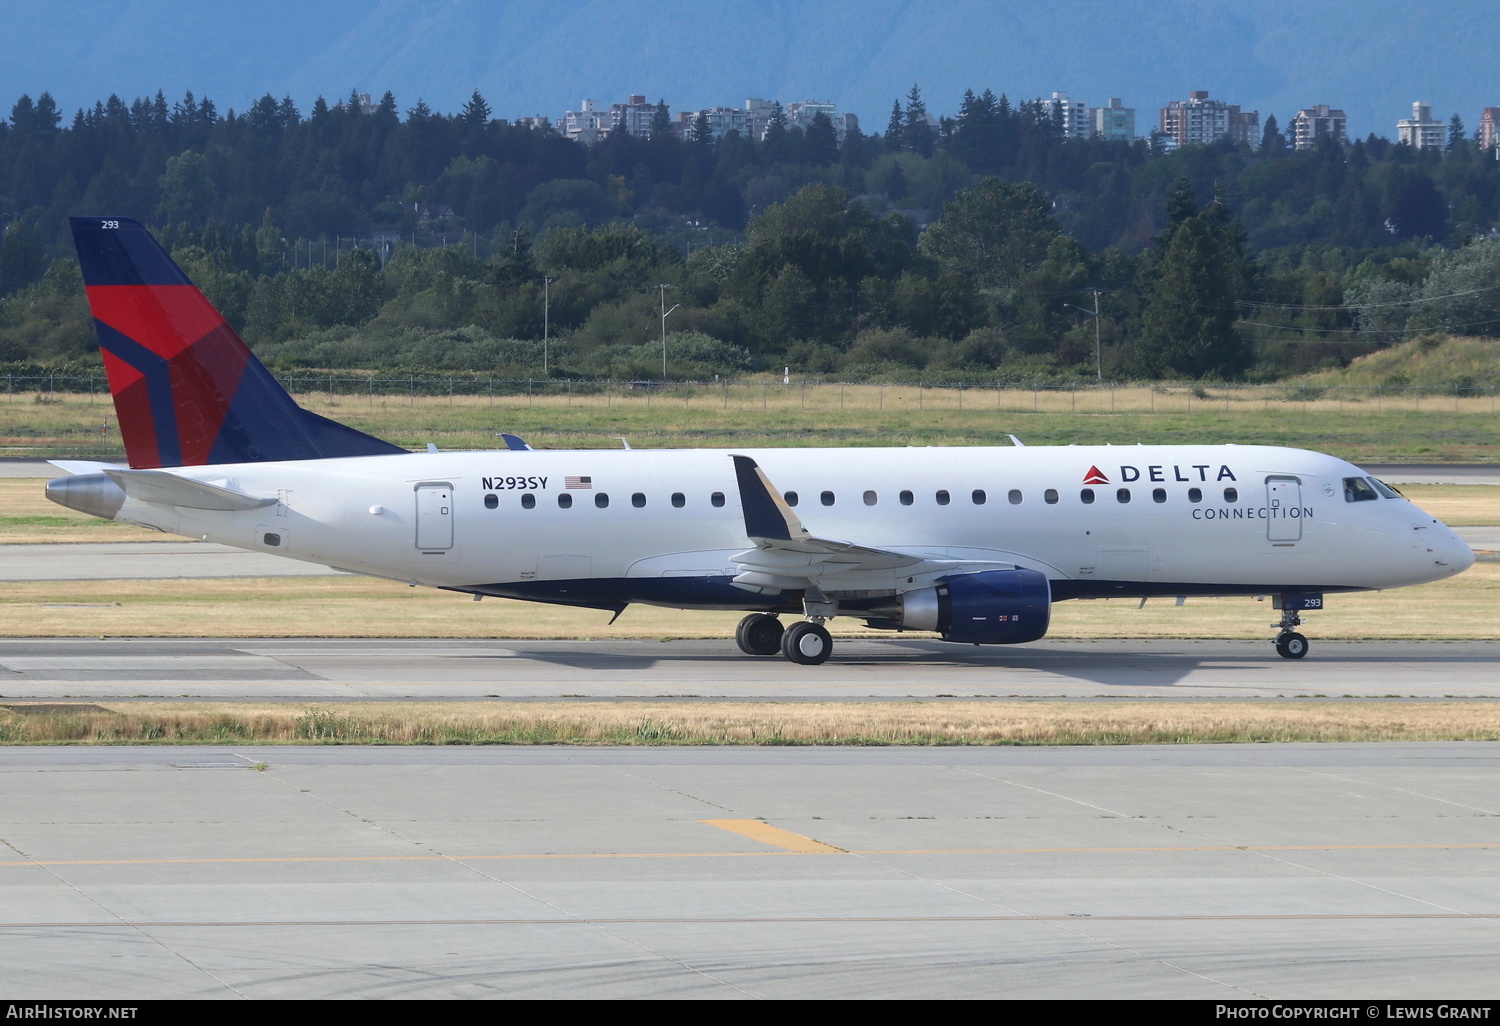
(601, 500)
(528, 501)
(679, 500)
(1050, 496)
(907, 498)
(1357, 489)
(1015, 497)
(565, 501)
(1158, 495)
(1087, 496)
(1122, 494)
(1231, 495)
(1195, 495)
(979, 497)
(492, 501)
(942, 497)
(871, 498)
(791, 498)
(716, 499)
(826, 498)
(638, 500)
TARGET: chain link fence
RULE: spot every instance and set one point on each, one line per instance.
(978, 396)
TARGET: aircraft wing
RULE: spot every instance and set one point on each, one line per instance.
(787, 556)
(170, 490)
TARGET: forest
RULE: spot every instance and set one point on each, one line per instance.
(986, 246)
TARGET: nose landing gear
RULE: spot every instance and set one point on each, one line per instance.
(1290, 644)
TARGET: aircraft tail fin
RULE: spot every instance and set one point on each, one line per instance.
(187, 390)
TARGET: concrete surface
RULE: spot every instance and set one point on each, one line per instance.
(1221, 873)
(339, 669)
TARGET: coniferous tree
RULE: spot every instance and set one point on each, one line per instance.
(916, 133)
(893, 129)
(661, 121)
(1455, 131)
(476, 113)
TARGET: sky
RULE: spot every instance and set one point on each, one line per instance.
(1372, 58)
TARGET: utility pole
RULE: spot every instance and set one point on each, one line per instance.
(546, 319)
(1098, 350)
(664, 313)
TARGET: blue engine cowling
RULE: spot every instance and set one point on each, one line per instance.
(994, 607)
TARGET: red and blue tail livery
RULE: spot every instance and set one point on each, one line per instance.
(187, 390)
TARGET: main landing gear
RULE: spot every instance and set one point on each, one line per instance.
(806, 642)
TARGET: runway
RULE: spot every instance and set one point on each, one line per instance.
(322, 670)
(1211, 872)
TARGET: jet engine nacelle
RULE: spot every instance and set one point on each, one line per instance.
(994, 607)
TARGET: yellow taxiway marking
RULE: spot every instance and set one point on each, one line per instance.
(804, 846)
(774, 836)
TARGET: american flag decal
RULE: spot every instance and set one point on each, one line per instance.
(578, 482)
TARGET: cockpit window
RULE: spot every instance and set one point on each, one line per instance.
(1357, 489)
(1385, 489)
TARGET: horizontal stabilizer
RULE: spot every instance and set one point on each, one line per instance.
(83, 466)
(170, 490)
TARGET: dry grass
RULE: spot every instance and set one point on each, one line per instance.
(1356, 425)
(753, 723)
(1458, 505)
(28, 517)
(1463, 607)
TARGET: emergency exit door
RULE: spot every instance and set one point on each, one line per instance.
(434, 516)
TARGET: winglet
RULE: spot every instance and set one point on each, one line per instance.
(766, 513)
(514, 442)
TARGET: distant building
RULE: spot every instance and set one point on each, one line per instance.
(752, 120)
(799, 114)
(1072, 115)
(1195, 120)
(1489, 127)
(1320, 122)
(1115, 122)
(1420, 131)
(590, 124)
(1244, 127)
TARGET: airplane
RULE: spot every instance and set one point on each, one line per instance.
(975, 544)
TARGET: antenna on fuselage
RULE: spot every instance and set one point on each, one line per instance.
(623, 441)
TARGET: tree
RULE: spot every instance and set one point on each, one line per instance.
(916, 133)
(1272, 142)
(661, 121)
(893, 127)
(188, 194)
(1187, 327)
(821, 143)
(994, 232)
(1455, 131)
(477, 111)
(21, 261)
(702, 135)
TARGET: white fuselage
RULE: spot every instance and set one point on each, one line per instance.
(1161, 520)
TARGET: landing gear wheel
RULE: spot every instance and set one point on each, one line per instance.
(759, 634)
(1291, 645)
(807, 643)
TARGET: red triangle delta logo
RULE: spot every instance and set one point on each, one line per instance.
(1095, 476)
